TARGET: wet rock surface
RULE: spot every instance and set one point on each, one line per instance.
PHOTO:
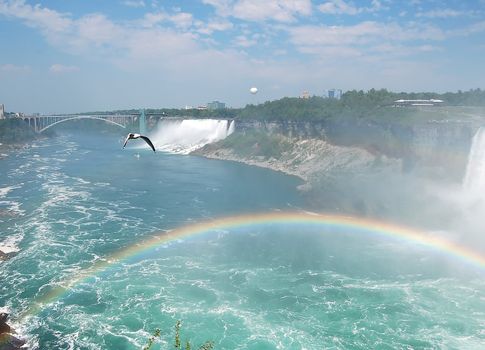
(8, 341)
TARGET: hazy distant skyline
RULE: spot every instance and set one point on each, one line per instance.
(81, 55)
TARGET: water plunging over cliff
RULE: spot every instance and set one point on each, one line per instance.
(185, 136)
(474, 180)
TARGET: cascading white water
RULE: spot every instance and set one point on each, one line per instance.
(231, 128)
(185, 136)
(474, 181)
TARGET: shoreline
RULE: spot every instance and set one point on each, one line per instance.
(305, 186)
(308, 159)
(269, 164)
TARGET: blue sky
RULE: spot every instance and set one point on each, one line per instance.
(82, 55)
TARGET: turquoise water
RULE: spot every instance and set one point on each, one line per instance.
(76, 199)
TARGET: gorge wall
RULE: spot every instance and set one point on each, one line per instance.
(442, 145)
(371, 168)
(433, 148)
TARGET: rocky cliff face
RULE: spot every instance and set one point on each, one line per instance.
(442, 145)
(306, 157)
(291, 129)
(371, 168)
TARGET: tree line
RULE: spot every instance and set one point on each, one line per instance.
(353, 104)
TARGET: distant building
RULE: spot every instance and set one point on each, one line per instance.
(2, 111)
(201, 108)
(334, 93)
(404, 103)
(305, 95)
(215, 105)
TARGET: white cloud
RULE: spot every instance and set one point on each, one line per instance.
(376, 5)
(153, 18)
(256, 10)
(278, 10)
(243, 41)
(443, 13)
(340, 7)
(404, 50)
(477, 27)
(213, 26)
(362, 33)
(162, 40)
(329, 52)
(366, 41)
(132, 3)
(13, 68)
(167, 51)
(223, 7)
(280, 52)
(474, 28)
(51, 23)
(59, 68)
(97, 36)
(182, 20)
(94, 30)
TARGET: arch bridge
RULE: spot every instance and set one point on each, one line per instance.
(40, 123)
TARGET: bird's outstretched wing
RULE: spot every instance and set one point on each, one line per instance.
(126, 140)
(147, 140)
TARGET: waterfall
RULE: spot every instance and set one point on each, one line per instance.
(185, 136)
(474, 180)
(231, 128)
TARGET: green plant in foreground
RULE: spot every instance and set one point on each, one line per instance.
(208, 345)
(152, 339)
(177, 335)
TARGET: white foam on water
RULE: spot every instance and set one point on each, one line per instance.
(9, 207)
(10, 244)
(4, 309)
(5, 190)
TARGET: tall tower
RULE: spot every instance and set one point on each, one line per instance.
(2, 111)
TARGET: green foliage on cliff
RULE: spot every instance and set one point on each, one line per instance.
(15, 131)
(256, 144)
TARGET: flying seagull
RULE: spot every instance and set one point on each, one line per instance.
(138, 136)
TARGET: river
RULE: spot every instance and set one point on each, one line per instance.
(75, 201)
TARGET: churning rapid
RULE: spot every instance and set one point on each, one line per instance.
(187, 135)
(252, 286)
